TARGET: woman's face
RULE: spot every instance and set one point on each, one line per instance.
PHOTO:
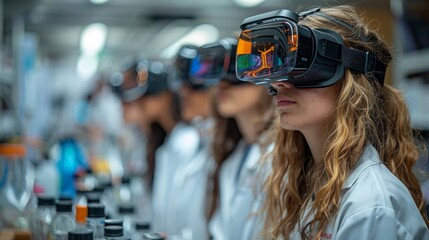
(153, 106)
(194, 103)
(303, 109)
(233, 100)
(132, 113)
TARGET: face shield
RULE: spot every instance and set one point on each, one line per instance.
(215, 62)
(274, 47)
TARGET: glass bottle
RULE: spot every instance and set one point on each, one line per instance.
(96, 217)
(127, 213)
(123, 193)
(41, 219)
(63, 221)
(17, 178)
(108, 198)
(81, 216)
(141, 228)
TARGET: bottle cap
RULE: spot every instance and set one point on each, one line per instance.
(92, 198)
(125, 180)
(107, 184)
(63, 206)
(95, 210)
(113, 231)
(12, 149)
(113, 222)
(98, 189)
(126, 209)
(81, 234)
(45, 201)
(142, 225)
(81, 213)
(82, 192)
(65, 198)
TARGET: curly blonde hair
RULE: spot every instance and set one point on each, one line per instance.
(366, 113)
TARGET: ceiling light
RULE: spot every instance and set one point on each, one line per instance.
(201, 34)
(98, 1)
(93, 38)
(248, 3)
(86, 66)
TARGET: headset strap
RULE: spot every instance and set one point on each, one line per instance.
(364, 62)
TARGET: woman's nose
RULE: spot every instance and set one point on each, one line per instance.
(281, 84)
(223, 84)
(183, 91)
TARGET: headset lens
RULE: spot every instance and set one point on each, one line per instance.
(211, 64)
(267, 52)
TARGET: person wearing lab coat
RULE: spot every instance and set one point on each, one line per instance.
(242, 113)
(186, 208)
(180, 145)
(342, 166)
(147, 110)
(133, 137)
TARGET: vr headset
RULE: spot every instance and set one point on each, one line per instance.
(215, 62)
(180, 74)
(273, 47)
(142, 78)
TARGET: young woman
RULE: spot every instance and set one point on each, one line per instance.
(186, 210)
(146, 135)
(242, 113)
(181, 143)
(343, 157)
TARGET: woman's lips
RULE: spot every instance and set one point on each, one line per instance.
(282, 101)
(221, 96)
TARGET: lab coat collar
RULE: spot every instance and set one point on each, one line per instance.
(369, 158)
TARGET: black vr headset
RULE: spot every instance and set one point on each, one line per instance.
(215, 62)
(181, 67)
(273, 47)
(145, 78)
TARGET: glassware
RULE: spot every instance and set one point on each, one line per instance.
(96, 217)
(17, 201)
(63, 221)
(41, 219)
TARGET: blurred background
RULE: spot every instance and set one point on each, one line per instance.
(52, 51)
(55, 54)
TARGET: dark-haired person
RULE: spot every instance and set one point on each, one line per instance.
(242, 113)
(186, 208)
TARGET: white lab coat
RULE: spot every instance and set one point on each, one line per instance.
(375, 205)
(237, 200)
(180, 146)
(188, 210)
